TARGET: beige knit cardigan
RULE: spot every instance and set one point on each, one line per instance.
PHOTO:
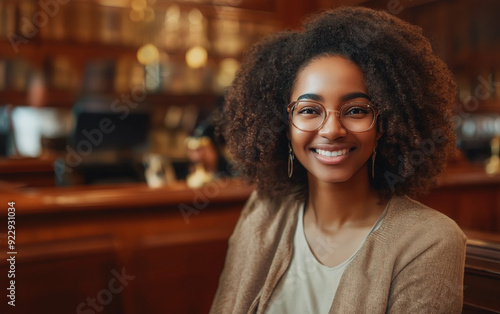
(413, 263)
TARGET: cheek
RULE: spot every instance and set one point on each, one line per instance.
(300, 140)
(368, 142)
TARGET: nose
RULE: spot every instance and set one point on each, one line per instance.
(332, 128)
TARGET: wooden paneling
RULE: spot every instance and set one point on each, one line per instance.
(469, 196)
(193, 268)
(72, 242)
(482, 274)
(61, 275)
(472, 207)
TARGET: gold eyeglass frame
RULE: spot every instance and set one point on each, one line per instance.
(376, 113)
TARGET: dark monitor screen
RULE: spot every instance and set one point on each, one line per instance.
(107, 130)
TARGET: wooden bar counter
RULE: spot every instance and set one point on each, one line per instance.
(119, 249)
(469, 196)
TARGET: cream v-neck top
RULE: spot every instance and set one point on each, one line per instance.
(308, 286)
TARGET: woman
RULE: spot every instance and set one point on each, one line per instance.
(204, 151)
(338, 126)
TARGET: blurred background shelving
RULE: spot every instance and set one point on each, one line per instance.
(109, 47)
(63, 42)
(171, 59)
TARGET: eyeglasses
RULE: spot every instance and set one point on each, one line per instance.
(308, 115)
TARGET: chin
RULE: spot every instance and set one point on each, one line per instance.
(342, 175)
(332, 178)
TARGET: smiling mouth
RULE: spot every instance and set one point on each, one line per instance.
(328, 153)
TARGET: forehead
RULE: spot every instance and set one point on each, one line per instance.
(329, 74)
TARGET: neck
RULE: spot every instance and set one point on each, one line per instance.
(332, 206)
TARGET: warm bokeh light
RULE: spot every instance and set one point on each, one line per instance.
(195, 16)
(196, 57)
(227, 71)
(136, 15)
(138, 4)
(149, 14)
(173, 13)
(148, 54)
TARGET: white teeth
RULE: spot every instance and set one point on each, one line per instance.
(332, 154)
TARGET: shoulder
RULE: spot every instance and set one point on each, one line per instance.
(413, 217)
(411, 228)
(414, 261)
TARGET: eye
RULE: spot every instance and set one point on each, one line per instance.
(308, 110)
(356, 110)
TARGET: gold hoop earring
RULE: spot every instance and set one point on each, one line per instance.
(291, 156)
(373, 161)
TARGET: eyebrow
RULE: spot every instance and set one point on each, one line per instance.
(310, 96)
(352, 96)
(344, 98)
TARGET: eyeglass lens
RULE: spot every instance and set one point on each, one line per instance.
(356, 117)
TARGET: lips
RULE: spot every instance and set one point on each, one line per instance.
(331, 154)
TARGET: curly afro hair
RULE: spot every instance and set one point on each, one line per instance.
(411, 86)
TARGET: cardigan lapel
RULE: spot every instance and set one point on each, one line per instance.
(283, 254)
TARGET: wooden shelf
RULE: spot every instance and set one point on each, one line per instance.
(67, 99)
(75, 50)
(55, 98)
